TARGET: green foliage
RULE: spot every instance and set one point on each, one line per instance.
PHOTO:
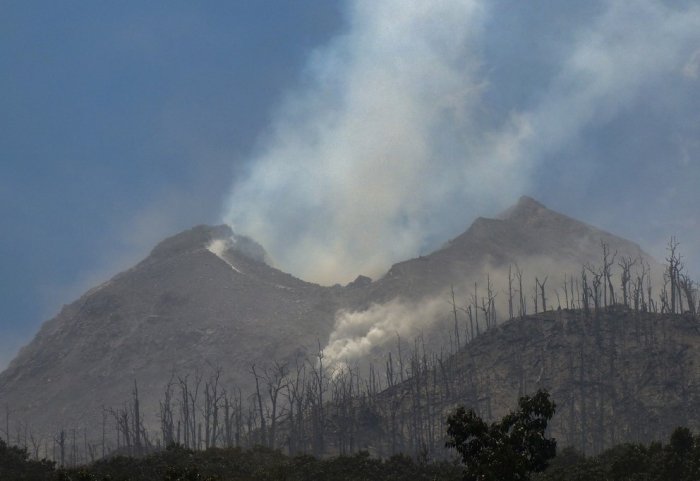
(260, 464)
(678, 461)
(16, 465)
(507, 450)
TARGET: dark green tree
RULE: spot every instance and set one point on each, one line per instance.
(508, 450)
(681, 461)
(16, 465)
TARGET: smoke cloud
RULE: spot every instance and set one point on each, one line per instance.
(356, 334)
(625, 54)
(362, 157)
(389, 146)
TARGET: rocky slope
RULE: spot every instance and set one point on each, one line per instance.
(179, 309)
(542, 241)
(415, 295)
(616, 376)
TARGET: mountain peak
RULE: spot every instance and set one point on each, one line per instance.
(527, 201)
(198, 237)
(526, 208)
(219, 239)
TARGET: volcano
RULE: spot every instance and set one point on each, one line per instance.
(208, 297)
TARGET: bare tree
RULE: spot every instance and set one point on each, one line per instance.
(510, 291)
(626, 264)
(673, 270)
(167, 424)
(456, 321)
(522, 310)
(475, 303)
(275, 381)
(259, 399)
(60, 440)
(36, 445)
(491, 303)
(137, 422)
(688, 287)
(541, 287)
(317, 386)
(608, 262)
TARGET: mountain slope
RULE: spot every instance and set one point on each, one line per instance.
(541, 240)
(206, 297)
(180, 308)
(616, 376)
(414, 297)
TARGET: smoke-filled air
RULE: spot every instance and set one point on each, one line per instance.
(372, 145)
(390, 143)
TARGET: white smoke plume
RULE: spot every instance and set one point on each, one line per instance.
(384, 149)
(630, 49)
(356, 334)
(218, 247)
(361, 336)
(360, 159)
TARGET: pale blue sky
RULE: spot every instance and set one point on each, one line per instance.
(123, 122)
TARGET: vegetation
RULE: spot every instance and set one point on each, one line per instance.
(679, 460)
(508, 450)
(177, 463)
(16, 465)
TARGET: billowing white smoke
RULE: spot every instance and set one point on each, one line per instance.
(361, 336)
(361, 159)
(218, 247)
(357, 333)
(383, 148)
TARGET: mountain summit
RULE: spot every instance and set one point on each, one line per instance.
(526, 208)
(539, 240)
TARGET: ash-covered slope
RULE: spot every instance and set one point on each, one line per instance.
(542, 241)
(616, 375)
(414, 297)
(182, 307)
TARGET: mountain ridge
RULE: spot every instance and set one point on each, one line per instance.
(189, 304)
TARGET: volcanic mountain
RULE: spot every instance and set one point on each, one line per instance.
(200, 297)
(207, 297)
(541, 241)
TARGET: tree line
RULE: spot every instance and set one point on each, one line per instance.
(515, 448)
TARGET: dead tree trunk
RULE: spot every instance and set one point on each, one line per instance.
(510, 292)
(275, 380)
(626, 264)
(608, 262)
(522, 311)
(136, 420)
(541, 286)
(456, 321)
(261, 413)
(674, 262)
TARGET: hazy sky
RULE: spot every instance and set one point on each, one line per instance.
(342, 135)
